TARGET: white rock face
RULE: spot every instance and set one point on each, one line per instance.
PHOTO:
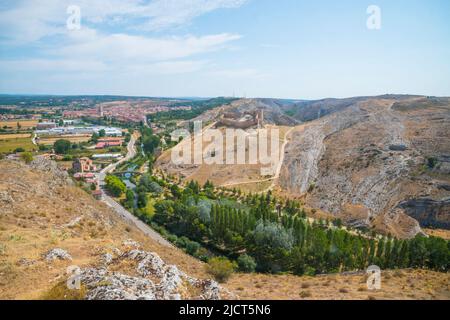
(156, 281)
(57, 254)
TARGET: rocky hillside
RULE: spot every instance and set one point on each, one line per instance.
(379, 162)
(48, 225)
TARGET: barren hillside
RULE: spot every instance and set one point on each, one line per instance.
(47, 225)
(370, 163)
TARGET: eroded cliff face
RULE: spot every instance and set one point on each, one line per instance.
(360, 163)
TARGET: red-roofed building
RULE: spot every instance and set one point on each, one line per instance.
(83, 165)
(102, 145)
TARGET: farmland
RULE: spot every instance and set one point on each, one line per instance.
(9, 144)
(24, 124)
(50, 140)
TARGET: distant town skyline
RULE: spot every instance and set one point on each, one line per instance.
(207, 48)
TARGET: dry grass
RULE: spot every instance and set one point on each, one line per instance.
(25, 124)
(14, 136)
(427, 285)
(442, 233)
(62, 292)
(72, 138)
(34, 224)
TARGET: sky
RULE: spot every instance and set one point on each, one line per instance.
(207, 48)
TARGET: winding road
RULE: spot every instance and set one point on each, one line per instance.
(121, 211)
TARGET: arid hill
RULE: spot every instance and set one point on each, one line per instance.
(381, 162)
(48, 225)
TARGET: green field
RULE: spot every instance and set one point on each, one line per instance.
(9, 145)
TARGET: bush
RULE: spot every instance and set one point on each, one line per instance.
(62, 292)
(115, 186)
(220, 268)
(62, 146)
(192, 248)
(27, 157)
(432, 162)
(18, 150)
(67, 158)
(246, 263)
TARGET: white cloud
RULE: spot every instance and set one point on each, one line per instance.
(122, 47)
(115, 43)
(32, 20)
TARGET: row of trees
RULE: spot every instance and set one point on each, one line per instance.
(279, 238)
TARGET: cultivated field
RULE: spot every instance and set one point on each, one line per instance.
(50, 140)
(9, 144)
(24, 124)
(14, 136)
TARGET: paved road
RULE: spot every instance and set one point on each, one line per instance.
(121, 211)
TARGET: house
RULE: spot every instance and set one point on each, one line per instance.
(82, 175)
(83, 165)
(106, 144)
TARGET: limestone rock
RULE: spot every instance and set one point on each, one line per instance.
(57, 254)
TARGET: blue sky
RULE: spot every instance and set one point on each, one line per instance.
(254, 48)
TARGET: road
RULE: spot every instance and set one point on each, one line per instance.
(121, 211)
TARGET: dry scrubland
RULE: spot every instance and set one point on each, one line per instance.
(39, 213)
(396, 284)
(246, 177)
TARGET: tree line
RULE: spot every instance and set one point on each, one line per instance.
(280, 238)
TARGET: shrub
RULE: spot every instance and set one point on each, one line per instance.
(62, 292)
(17, 150)
(115, 186)
(246, 263)
(432, 162)
(192, 248)
(305, 294)
(220, 268)
(27, 157)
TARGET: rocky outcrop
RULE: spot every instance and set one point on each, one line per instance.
(149, 279)
(429, 212)
(57, 254)
(44, 164)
